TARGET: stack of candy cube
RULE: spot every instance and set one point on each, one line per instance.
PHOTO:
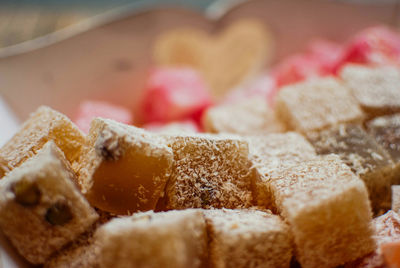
(312, 181)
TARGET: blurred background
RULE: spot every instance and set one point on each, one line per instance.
(22, 20)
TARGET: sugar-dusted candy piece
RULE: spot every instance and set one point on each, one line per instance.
(209, 171)
(247, 117)
(43, 125)
(363, 155)
(41, 208)
(272, 153)
(387, 230)
(90, 109)
(386, 130)
(174, 94)
(376, 88)
(316, 104)
(187, 126)
(167, 239)
(391, 254)
(247, 238)
(377, 45)
(327, 209)
(124, 169)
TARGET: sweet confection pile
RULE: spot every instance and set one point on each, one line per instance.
(296, 167)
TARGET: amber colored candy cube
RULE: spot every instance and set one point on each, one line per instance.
(247, 238)
(377, 89)
(43, 125)
(316, 104)
(209, 171)
(327, 209)
(41, 208)
(271, 154)
(173, 239)
(363, 155)
(124, 169)
(248, 117)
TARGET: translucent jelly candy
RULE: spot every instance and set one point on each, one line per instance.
(43, 125)
(124, 169)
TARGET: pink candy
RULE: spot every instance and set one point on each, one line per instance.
(88, 110)
(320, 59)
(174, 94)
(376, 45)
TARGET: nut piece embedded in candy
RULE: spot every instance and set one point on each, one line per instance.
(43, 125)
(58, 214)
(26, 193)
(124, 169)
(316, 104)
(41, 208)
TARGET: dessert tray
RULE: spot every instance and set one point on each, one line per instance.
(267, 135)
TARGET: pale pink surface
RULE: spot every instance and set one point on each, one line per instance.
(88, 110)
(320, 59)
(174, 94)
(376, 45)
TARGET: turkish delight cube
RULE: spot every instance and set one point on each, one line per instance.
(316, 104)
(247, 238)
(124, 169)
(272, 153)
(327, 209)
(41, 208)
(363, 155)
(166, 239)
(248, 117)
(376, 88)
(43, 125)
(209, 171)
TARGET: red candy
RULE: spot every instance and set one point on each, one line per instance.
(88, 110)
(174, 94)
(376, 45)
(320, 59)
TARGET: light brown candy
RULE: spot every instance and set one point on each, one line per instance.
(41, 208)
(377, 89)
(124, 169)
(247, 238)
(316, 104)
(44, 125)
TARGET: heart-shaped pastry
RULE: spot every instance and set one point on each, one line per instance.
(225, 59)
